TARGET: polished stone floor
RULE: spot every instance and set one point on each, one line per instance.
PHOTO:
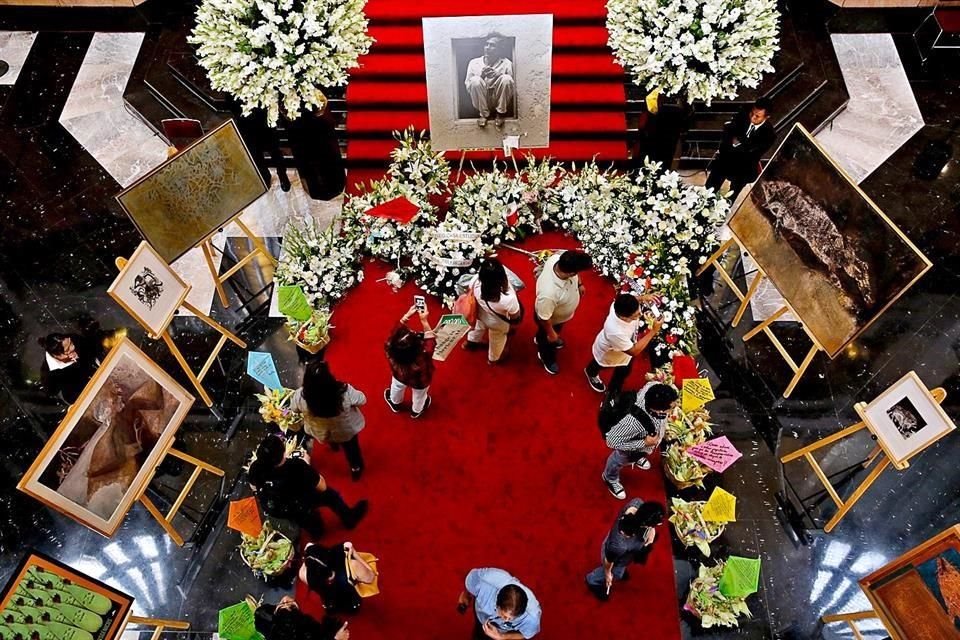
(60, 229)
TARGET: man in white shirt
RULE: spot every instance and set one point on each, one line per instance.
(618, 342)
(490, 83)
(558, 294)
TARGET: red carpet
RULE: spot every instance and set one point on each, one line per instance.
(503, 470)
(389, 91)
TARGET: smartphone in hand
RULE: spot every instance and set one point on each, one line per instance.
(420, 303)
(655, 311)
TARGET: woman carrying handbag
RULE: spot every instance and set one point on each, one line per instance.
(497, 309)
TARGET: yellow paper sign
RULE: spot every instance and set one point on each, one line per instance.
(721, 507)
(652, 100)
(696, 393)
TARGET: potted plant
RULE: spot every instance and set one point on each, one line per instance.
(709, 605)
(314, 334)
(691, 528)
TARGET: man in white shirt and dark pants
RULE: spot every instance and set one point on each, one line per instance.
(618, 342)
(558, 294)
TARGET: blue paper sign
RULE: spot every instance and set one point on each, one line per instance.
(262, 368)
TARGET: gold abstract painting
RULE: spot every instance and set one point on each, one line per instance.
(837, 260)
(194, 193)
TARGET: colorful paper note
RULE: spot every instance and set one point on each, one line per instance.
(292, 302)
(696, 393)
(452, 328)
(399, 209)
(262, 368)
(652, 100)
(741, 577)
(236, 623)
(244, 516)
(718, 454)
(721, 507)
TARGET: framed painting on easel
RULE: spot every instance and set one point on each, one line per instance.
(149, 290)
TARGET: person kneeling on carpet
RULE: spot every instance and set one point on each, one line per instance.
(324, 570)
(410, 354)
(504, 609)
(285, 621)
(331, 412)
(637, 434)
(629, 540)
(289, 488)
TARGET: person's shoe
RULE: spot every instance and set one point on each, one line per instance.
(390, 403)
(498, 121)
(356, 473)
(643, 464)
(559, 344)
(599, 593)
(595, 382)
(616, 489)
(551, 367)
(356, 514)
(481, 122)
(626, 575)
(469, 345)
(426, 405)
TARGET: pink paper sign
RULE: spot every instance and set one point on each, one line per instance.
(718, 454)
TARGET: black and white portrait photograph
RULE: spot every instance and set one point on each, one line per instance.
(488, 77)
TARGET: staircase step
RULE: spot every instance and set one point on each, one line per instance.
(408, 37)
(387, 11)
(378, 151)
(371, 124)
(411, 95)
(586, 67)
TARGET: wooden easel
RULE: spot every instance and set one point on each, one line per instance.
(850, 619)
(225, 335)
(166, 521)
(159, 625)
(844, 506)
(206, 245)
(764, 327)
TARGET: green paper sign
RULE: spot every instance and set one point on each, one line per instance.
(292, 303)
(236, 623)
(453, 318)
(741, 577)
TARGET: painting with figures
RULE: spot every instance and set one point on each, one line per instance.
(837, 260)
(148, 289)
(106, 449)
(918, 595)
(906, 418)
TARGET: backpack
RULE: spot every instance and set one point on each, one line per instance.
(614, 408)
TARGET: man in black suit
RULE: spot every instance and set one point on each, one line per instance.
(745, 139)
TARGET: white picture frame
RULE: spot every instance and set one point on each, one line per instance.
(450, 43)
(149, 289)
(906, 419)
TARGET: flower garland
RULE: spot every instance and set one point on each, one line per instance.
(268, 53)
(703, 49)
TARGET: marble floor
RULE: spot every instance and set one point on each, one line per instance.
(14, 47)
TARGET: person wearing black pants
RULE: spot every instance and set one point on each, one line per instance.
(745, 139)
(620, 340)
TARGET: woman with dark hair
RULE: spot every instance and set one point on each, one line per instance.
(285, 621)
(497, 308)
(410, 354)
(331, 412)
(69, 363)
(628, 541)
(288, 487)
(324, 570)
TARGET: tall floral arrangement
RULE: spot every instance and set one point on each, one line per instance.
(270, 54)
(415, 163)
(701, 49)
(448, 251)
(324, 262)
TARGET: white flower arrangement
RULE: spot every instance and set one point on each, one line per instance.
(492, 203)
(273, 53)
(450, 250)
(703, 49)
(653, 270)
(385, 238)
(325, 263)
(416, 163)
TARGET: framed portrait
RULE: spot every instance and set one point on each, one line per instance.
(833, 255)
(46, 598)
(149, 290)
(106, 449)
(488, 77)
(191, 195)
(916, 595)
(906, 419)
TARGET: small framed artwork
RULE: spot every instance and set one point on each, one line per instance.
(47, 599)
(149, 290)
(906, 419)
(105, 451)
(916, 595)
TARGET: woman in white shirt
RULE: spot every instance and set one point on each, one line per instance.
(497, 306)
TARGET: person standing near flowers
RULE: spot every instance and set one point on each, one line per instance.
(619, 340)
(410, 354)
(629, 540)
(497, 309)
(558, 294)
(331, 412)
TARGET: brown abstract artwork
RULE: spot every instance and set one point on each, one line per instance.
(832, 254)
(114, 436)
(194, 193)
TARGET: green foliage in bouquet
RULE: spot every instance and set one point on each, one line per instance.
(315, 330)
(269, 553)
(707, 603)
(682, 469)
(691, 528)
